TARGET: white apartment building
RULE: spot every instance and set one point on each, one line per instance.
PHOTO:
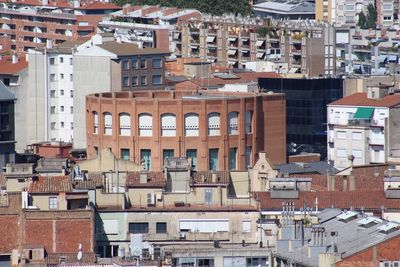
(363, 127)
(50, 92)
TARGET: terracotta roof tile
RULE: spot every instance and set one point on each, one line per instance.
(154, 179)
(100, 5)
(55, 184)
(367, 199)
(8, 68)
(70, 258)
(94, 180)
(361, 99)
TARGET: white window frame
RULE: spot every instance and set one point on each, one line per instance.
(107, 117)
(145, 124)
(191, 124)
(168, 124)
(233, 123)
(214, 123)
(124, 124)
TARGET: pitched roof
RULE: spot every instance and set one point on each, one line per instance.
(5, 93)
(70, 258)
(361, 99)
(154, 179)
(366, 199)
(100, 5)
(126, 49)
(93, 181)
(9, 68)
(55, 184)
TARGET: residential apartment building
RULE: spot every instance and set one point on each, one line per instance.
(219, 131)
(292, 10)
(50, 93)
(7, 129)
(31, 27)
(363, 127)
(105, 65)
(366, 52)
(307, 47)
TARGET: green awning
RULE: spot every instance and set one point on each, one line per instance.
(363, 113)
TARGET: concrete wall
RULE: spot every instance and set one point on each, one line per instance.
(91, 75)
(13, 185)
(42, 201)
(21, 111)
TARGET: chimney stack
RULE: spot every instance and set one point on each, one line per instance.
(14, 58)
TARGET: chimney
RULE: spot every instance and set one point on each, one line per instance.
(14, 58)
(77, 4)
(143, 177)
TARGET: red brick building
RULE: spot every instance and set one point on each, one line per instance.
(217, 130)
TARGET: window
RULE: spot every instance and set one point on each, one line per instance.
(246, 226)
(125, 64)
(134, 63)
(124, 124)
(71, 110)
(143, 80)
(213, 159)
(233, 123)
(341, 153)
(192, 153)
(139, 228)
(70, 78)
(107, 123)
(145, 158)
(341, 135)
(125, 81)
(248, 157)
(52, 109)
(72, 125)
(248, 122)
(52, 93)
(61, 92)
(62, 108)
(157, 79)
(95, 122)
(62, 124)
(53, 126)
(167, 153)
(125, 154)
(156, 63)
(53, 203)
(145, 124)
(71, 93)
(357, 136)
(53, 77)
(232, 158)
(191, 124)
(208, 196)
(161, 227)
(358, 154)
(168, 124)
(143, 63)
(52, 61)
(61, 60)
(213, 123)
(70, 61)
(134, 81)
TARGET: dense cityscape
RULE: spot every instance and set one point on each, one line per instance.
(200, 133)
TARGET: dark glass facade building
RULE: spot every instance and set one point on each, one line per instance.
(306, 101)
(7, 129)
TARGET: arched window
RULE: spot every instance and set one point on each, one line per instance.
(95, 122)
(249, 121)
(124, 124)
(191, 124)
(168, 124)
(107, 123)
(233, 122)
(145, 124)
(214, 124)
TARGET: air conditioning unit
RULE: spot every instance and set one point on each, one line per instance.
(151, 200)
(182, 236)
(391, 90)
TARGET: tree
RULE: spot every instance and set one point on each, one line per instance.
(371, 16)
(362, 20)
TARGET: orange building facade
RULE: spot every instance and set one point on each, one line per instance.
(218, 131)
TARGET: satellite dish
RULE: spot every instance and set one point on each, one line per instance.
(79, 255)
